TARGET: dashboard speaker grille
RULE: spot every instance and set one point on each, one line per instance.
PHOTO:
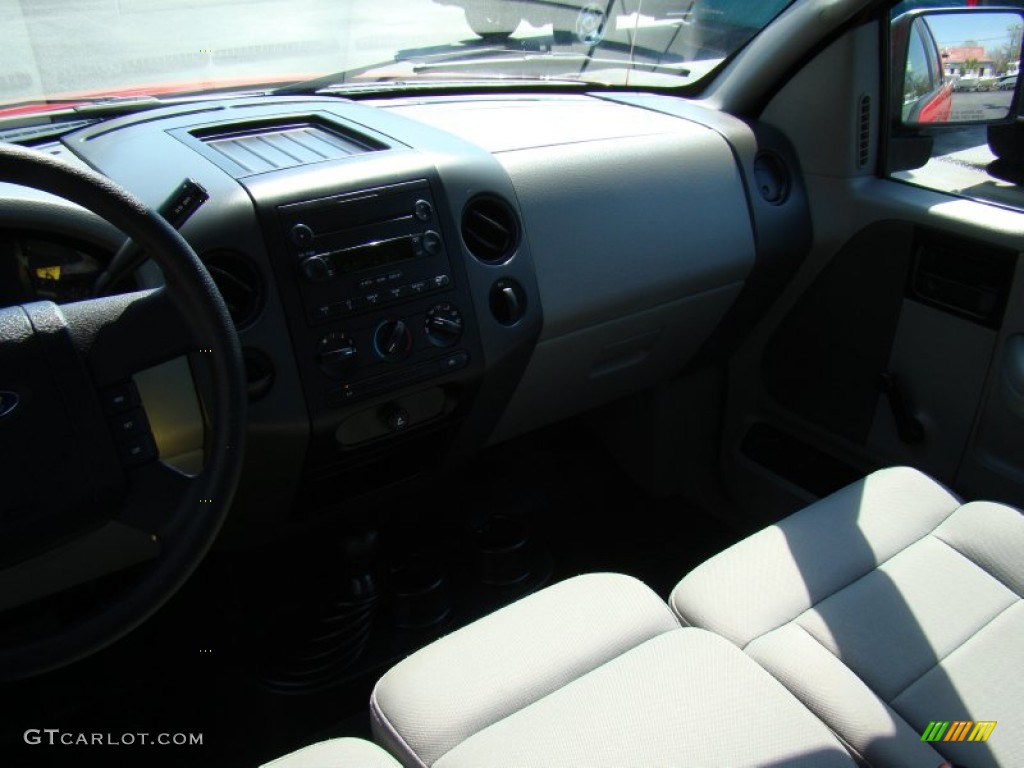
(239, 282)
(490, 229)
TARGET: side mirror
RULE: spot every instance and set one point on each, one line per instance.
(956, 67)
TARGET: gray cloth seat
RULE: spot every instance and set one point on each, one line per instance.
(833, 637)
(593, 671)
(884, 607)
(337, 753)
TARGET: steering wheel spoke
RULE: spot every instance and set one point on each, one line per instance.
(157, 496)
(124, 334)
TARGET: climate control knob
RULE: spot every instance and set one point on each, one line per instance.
(392, 340)
(336, 355)
(443, 325)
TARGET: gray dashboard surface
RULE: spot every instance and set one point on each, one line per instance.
(637, 235)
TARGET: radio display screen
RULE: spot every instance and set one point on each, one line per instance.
(373, 255)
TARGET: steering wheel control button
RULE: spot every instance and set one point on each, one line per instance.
(443, 325)
(129, 424)
(119, 397)
(302, 235)
(423, 210)
(336, 355)
(137, 450)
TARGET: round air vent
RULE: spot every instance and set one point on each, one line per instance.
(772, 177)
(240, 284)
(490, 229)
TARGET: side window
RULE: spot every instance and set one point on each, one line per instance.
(956, 72)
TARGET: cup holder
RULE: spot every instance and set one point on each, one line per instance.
(503, 551)
(419, 594)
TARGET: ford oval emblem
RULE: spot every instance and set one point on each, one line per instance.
(8, 403)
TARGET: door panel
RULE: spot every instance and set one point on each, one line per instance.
(940, 362)
(903, 284)
(994, 464)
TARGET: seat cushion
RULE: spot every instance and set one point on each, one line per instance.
(884, 607)
(337, 753)
(440, 696)
(684, 698)
(594, 671)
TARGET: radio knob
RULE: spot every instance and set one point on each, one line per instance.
(423, 210)
(336, 355)
(392, 340)
(316, 269)
(431, 243)
(302, 235)
(443, 325)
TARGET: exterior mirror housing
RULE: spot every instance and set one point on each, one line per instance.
(958, 67)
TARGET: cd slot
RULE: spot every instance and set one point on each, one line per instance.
(376, 254)
(356, 237)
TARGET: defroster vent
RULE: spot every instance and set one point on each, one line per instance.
(261, 147)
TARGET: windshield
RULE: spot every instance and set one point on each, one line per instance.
(77, 49)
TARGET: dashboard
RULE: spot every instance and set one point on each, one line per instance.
(415, 278)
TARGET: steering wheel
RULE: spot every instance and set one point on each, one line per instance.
(83, 493)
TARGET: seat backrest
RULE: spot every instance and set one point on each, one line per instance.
(885, 607)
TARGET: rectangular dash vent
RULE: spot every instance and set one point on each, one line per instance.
(261, 148)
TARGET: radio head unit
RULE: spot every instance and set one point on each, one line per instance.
(358, 251)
